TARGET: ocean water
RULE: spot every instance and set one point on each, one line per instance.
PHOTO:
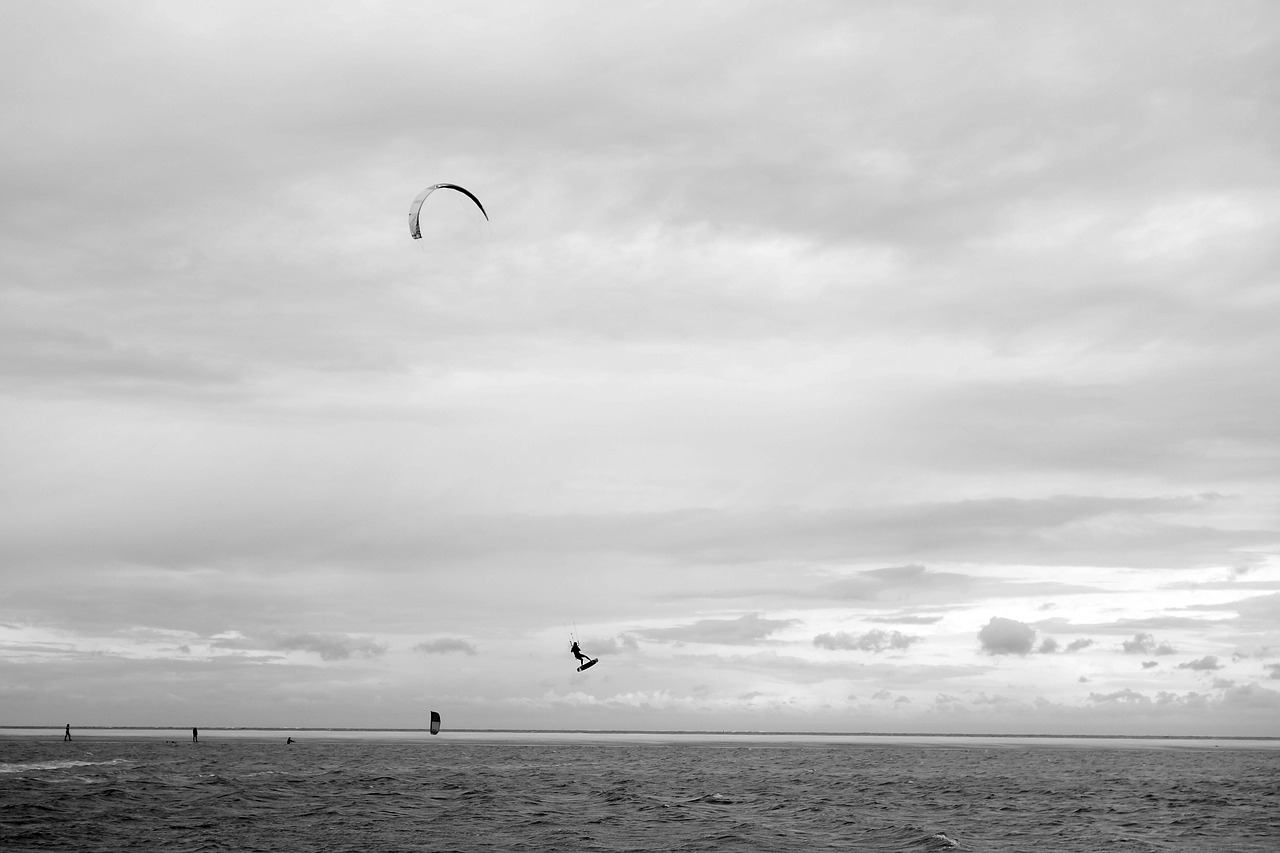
(236, 791)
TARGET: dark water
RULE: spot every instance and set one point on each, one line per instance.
(116, 794)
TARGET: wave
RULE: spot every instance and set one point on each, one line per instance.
(63, 764)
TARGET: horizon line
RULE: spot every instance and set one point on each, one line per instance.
(719, 732)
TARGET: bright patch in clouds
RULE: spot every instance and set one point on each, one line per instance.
(824, 368)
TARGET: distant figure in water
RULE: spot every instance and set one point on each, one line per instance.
(577, 653)
(290, 740)
(67, 736)
(195, 734)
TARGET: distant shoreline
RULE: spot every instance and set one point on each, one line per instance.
(643, 736)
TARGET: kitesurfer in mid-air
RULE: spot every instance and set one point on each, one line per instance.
(577, 653)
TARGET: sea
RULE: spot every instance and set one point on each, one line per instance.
(252, 790)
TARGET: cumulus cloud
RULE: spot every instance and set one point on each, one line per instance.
(1145, 644)
(742, 631)
(874, 640)
(1273, 670)
(1252, 696)
(1150, 664)
(1003, 636)
(1207, 663)
(1077, 645)
(445, 646)
(1048, 646)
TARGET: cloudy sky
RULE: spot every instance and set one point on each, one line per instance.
(824, 366)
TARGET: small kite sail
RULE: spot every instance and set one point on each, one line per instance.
(414, 231)
(435, 723)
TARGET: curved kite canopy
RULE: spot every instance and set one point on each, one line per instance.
(435, 718)
(414, 231)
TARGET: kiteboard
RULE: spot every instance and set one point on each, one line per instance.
(589, 664)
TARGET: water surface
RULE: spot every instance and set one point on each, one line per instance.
(485, 791)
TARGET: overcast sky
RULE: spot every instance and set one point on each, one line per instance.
(824, 366)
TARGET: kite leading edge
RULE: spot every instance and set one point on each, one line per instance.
(414, 231)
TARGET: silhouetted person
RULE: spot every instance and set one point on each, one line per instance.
(195, 735)
(67, 736)
(577, 653)
(290, 740)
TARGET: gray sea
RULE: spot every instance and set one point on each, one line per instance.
(488, 791)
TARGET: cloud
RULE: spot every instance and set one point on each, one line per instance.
(1150, 664)
(1145, 644)
(1084, 529)
(623, 642)
(1126, 696)
(1047, 646)
(1003, 636)
(444, 646)
(745, 630)
(1208, 663)
(1258, 609)
(874, 640)
(1252, 699)
(1273, 670)
(51, 358)
(1075, 528)
(1163, 621)
(1252, 696)
(906, 619)
(333, 646)
(328, 646)
(1078, 645)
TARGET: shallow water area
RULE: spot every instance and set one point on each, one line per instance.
(142, 789)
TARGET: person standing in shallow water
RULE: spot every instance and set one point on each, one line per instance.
(195, 734)
(67, 736)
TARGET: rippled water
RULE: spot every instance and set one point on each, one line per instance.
(483, 793)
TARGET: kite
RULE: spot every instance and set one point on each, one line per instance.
(414, 231)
